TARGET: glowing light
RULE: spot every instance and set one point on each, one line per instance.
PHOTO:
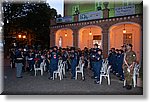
(24, 37)
(130, 37)
(124, 31)
(65, 35)
(19, 36)
(90, 33)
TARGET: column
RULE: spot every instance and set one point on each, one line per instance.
(105, 42)
(75, 38)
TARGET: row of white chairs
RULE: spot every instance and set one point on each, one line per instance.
(105, 70)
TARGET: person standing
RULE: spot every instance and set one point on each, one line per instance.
(19, 63)
(128, 66)
(93, 57)
(113, 59)
(53, 62)
(98, 65)
(74, 62)
(12, 58)
(30, 58)
(64, 56)
(120, 59)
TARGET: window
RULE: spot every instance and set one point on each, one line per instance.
(98, 5)
(60, 42)
(127, 38)
(97, 39)
(75, 9)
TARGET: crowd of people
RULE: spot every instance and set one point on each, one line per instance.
(121, 61)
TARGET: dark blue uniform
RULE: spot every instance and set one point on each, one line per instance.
(93, 60)
(112, 61)
(98, 65)
(53, 62)
(119, 60)
(74, 62)
(12, 56)
(64, 56)
(18, 61)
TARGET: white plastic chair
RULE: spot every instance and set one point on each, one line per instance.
(58, 71)
(135, 75)
(44, 65)
(107, 74)
(104, 67)
(63, 69)
(79, 69)
(38, 69)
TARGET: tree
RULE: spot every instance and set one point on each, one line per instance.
(33, 16)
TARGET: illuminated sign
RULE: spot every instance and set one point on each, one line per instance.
(125, 10)
(90, 16)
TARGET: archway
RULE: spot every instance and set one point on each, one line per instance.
(89, 35)
(64, 38)
(125, 33)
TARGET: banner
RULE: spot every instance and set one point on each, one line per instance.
(125, 10)
(90, 16)
(64, 19)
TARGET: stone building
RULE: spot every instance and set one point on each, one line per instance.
(109, 24)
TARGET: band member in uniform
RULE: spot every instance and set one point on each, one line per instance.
(128, 66)
(98, 65)
(19, 63)
(53, 61)
(74, 62)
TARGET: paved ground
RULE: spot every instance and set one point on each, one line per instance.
(41, 85)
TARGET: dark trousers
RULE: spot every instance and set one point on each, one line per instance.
(98, 66)
(53, 67)
(120, 70)
(73, 68)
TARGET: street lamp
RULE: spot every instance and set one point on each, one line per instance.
(124, 30)
(19, 36)
(90, 32)
(89, 38)
(65, 34)
(24, 36)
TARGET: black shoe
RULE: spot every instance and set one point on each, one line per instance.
(20, 77)
(128, 87)
(92, 77)
(121, 79)
(124, 86)
(96, 82)
(72, 77)
(50, 78)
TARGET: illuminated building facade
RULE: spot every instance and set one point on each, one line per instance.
(109, 24)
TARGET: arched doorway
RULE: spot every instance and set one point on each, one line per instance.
(125, 33)
(90, 35)
(64, 38)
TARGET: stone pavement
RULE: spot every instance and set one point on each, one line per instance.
(42, 85)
